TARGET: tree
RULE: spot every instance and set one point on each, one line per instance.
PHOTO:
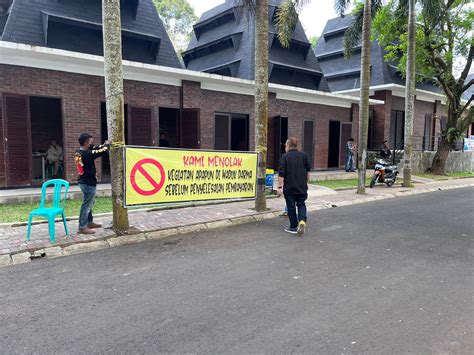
(178, 17)
(444, 31)
(409, 96)
(314, 41)
(257, 11)
(112, 34)
(360, 29)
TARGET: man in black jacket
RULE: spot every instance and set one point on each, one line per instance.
(293, 182)
(84, 158)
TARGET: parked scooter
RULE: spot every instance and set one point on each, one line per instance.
(384, 173)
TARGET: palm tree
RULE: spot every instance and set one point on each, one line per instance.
(409, 96)
(112, 33)
(360, 30)
(258, 9)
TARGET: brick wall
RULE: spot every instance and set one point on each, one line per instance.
(82, 95)
(2, 148)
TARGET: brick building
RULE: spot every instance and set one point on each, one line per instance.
(387, 121)
(52, 87)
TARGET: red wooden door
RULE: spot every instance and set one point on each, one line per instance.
(190, 129)
(18, 140)
(141, 128)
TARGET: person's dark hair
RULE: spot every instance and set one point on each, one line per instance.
(292, 142)
(83, 138)
(351, 139)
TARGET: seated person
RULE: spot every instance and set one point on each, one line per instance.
(54, 156)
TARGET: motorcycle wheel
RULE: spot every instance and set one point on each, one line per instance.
(390, 183)
(373, 181)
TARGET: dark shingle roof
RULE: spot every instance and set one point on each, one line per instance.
(342, 73)
(76, 25)
(226, 35)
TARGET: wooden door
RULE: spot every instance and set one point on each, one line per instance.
(141, 127)
(346, 133)
(222, 132)
(18, 153)
(308, 140)
(189, 128)
(427, 137)
(280, 129)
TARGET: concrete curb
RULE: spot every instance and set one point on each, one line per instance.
(114, 241)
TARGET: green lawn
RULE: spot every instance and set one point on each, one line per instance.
(18, 212)
(447, 176)
(346, 184)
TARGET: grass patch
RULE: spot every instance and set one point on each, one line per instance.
(346, 184)
(447, 176)
(18, 212)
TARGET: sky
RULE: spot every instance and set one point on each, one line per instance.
(313, 18)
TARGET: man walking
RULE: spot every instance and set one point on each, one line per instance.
(87, 180)
(350, 150)
(293, 180)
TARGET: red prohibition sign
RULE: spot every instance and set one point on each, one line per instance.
(156, 185)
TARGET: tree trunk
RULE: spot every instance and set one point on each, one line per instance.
(364, 97)
(439, 161)
(409, 97)
(261, 98)
(114, 101)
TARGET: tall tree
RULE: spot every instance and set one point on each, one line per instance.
(444, 31)
(256, 12)
(112, 34)
(409, 96)
(360, 30)
(178, 17)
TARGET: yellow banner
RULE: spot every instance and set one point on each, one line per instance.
(157, 175)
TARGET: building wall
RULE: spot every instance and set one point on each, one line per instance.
(383, 115)
(82, 95)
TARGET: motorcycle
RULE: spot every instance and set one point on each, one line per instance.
(384, 173)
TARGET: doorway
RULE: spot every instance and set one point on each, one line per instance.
(346, 133)
(180, 127)
(428, 133)
(169, 125)
(334, 144)
(280, 131)
(397, 130)
(231, 132)
(308, 140)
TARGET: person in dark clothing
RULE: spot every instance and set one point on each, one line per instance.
(87, 180)
(350, 150)
(164, 141)
(385, 152)
(293, 182)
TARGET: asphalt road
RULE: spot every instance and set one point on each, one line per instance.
(380, 278)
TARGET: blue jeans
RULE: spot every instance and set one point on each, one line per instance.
(293, 202)
(349, 162)
(85, 216)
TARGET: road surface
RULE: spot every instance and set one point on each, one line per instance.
(384, 277)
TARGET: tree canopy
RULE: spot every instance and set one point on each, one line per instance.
(444, 32)
(178, 17)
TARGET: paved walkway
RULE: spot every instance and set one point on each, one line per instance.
(33, 194)
(155, 224)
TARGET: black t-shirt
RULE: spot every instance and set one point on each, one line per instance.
(85, 163)
(294, 168)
